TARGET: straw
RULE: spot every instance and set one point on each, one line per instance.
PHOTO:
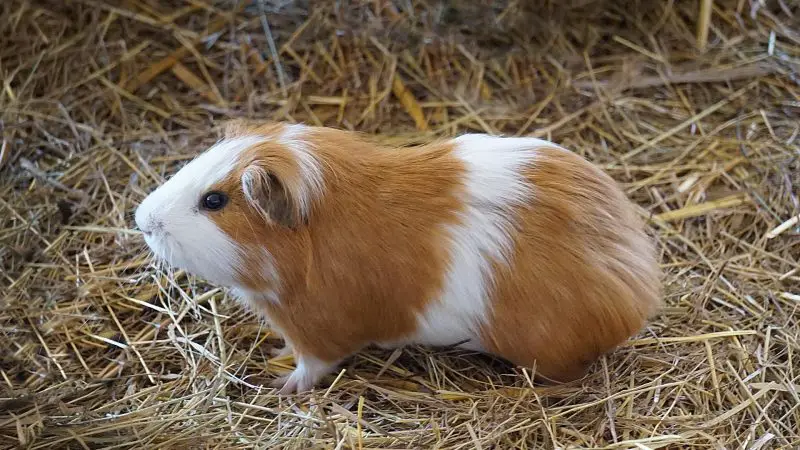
(691, 106)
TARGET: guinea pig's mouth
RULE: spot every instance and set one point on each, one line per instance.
(171, 254)
(198, 248)
(162, 248)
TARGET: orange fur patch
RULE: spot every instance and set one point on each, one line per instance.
(372, 254)
(583, 277)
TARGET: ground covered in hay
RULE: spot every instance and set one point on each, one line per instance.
(100, 101)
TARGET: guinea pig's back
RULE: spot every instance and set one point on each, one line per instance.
(581, 276)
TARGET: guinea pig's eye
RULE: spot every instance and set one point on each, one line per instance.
(214, 201)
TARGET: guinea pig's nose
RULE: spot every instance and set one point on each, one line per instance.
(153, 225)
(147, 224)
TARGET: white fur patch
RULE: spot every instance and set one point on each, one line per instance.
(494, 186)
(310, 170)
(178, 231)
(305, 376)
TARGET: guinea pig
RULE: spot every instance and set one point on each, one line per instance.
(514, 247)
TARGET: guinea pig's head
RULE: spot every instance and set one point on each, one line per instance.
(213, 216)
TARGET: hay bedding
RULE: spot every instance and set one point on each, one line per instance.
(101, 100)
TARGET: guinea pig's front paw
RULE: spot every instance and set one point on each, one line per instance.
(304, 377)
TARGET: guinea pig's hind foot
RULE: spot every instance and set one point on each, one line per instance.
(304, 377)
(276, 353)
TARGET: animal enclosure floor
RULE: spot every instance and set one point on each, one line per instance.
(101, 100)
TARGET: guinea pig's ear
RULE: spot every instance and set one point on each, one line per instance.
(268, 194)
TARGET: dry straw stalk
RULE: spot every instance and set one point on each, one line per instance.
(696, 115)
